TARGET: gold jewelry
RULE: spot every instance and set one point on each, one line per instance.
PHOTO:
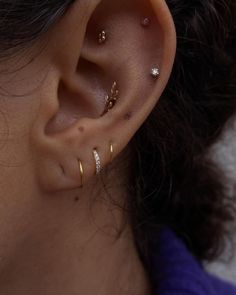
(97, 161)
(102, 37)
(81, 169)
(111, 99)
(111, 151)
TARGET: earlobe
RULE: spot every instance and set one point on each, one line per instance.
(109, 88)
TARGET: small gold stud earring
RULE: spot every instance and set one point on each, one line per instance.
(102, 37)
(111, 99)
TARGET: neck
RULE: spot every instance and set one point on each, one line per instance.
(68, 253)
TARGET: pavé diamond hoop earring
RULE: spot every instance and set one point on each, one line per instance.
(97, 161)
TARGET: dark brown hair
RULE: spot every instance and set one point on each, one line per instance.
(178, 184)
(174, 183)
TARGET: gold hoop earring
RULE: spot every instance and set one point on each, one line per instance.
(81, 169)
(111, 151)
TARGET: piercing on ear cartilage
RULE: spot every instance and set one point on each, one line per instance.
(81, 169)
(111, 99)
(146, 22)
(102, 38)
(97, 161)
(155, 73)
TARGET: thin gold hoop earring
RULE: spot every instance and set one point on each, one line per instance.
(111, 151)
(81, 169)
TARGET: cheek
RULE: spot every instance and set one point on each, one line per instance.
(18, 188)
(19, 104)
(18, 207)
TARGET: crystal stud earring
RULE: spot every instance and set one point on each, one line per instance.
(102, 37)
(155, 73)
(146, 22)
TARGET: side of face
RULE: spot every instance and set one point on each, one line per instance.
(50, 105)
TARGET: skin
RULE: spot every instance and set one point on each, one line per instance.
(57, 238)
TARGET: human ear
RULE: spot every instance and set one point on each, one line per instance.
(94, 45)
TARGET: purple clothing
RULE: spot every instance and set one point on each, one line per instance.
(174, 270)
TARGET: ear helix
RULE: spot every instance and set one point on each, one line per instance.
(110, 101)
(113, 96)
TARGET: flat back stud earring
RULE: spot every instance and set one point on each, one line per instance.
(102, 37)
(155, 73)
(111, 99)
(146, 22)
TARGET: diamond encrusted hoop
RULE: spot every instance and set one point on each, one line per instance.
(97, 161)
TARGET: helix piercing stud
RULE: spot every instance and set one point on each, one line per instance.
(97, 161)
(111, 99)
(146, 22)
(102, 38)
(155, 73)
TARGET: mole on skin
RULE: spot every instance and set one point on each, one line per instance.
(81, 129)
(128, 116)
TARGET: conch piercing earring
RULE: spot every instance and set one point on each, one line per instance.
(102, 37)
(155, 73)
(97, 161)
(111, 99)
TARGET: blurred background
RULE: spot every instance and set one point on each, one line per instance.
(224, 152)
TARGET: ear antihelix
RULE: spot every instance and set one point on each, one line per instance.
(102, 37)
(112, 98)
(81, 169)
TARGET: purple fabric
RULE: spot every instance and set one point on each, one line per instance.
(175, 271)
